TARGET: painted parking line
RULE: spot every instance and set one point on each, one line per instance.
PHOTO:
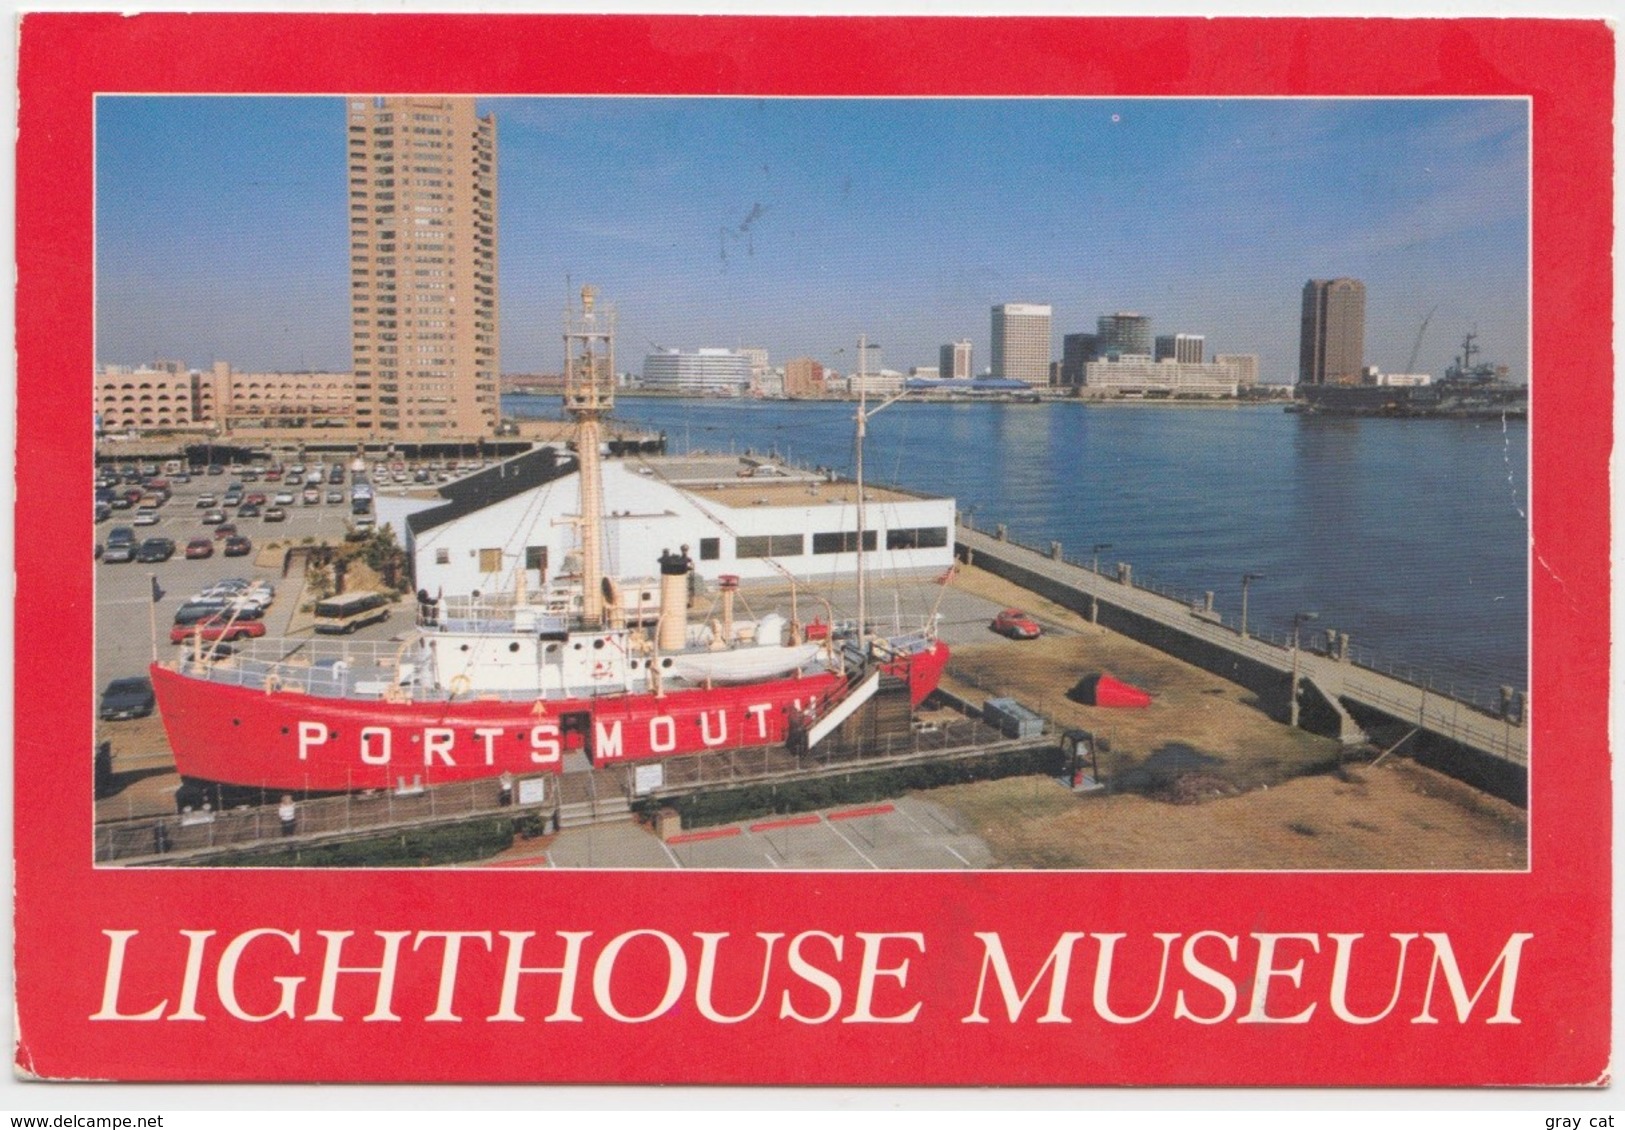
(710, 834)
(789, 822)
(853, 846)
(903, 812)
(855, 813)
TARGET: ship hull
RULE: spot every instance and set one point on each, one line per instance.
(1440, 401)
(294, 742)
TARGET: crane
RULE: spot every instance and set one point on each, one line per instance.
(1410, 366)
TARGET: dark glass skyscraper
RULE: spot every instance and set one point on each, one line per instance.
(1331, 347)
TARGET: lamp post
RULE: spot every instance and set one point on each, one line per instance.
(1298, 620)
(1095, 551)
(1246, 580)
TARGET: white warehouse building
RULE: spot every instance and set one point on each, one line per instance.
(737, 516)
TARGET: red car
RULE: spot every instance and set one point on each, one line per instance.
(225, 530)
(218, 627)
(237, 546)
(255, 499)
(199, 547)
(1016, 624)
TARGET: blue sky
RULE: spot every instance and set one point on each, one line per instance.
(799, 224)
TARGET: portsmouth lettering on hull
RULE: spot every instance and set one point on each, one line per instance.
(287, 740)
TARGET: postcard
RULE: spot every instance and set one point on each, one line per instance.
(813, 551)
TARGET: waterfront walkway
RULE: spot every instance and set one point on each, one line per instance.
(1197, 631)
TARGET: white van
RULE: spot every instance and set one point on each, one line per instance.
(340, 615)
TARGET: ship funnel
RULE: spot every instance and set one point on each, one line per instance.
(674, 570)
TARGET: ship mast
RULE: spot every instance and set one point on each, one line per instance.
(589, 396)
(864, 412)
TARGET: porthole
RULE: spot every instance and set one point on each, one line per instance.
(284, 729)
(464, 647)
(597, 644)
(577, 646)
(513, 646)
(552, 648)
(664, 663)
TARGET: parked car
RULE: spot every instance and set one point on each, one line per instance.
(206, 502)
(225, 530)
(155, 549)
(220, 626)
(1017, 625)
(199, 548)
(127, 698)
(214, 517)
(284, 498)
(238, 546)
(248, 510)
(254, 498)
(145, 517)
(121, 544)
(233, 498)
(275, 514)
(312, 496)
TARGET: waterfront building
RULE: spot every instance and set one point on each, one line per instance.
(163, 394)
(423, 267)
(735, 517)
(1179, 347)
(1021, 342)
(1077, 350)
(697, 372)
(1123, 334)
(1245, 364)
(757, 358)
(925, 372)
(803, 378)
(1331, 344)
(1140, 376)
(954, 360)
(885, 382)
(168, 396)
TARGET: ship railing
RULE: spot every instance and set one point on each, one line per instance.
(329, 668)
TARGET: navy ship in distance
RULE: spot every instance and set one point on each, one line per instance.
(1468, 390)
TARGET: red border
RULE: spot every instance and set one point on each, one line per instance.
(1566, 68)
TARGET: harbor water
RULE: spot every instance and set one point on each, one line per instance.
(1411, 536)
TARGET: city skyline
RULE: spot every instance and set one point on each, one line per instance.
(797, 225)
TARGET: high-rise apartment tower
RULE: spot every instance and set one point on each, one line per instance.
(423, 267)
(953, 360)
(1331, 347)
(1021, 342)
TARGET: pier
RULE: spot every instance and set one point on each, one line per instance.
(1336, 694)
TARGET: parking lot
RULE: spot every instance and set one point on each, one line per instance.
(905, 834)
(131, 627)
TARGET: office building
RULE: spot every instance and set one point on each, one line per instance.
(1124, 334)
(1245, 365)
(710, 371)
(1331, 347)
(803, 378)
(423, 267)
(1021, 342)
(1136, 375)
(953, 360)
(1180, 347)
(1077, 350)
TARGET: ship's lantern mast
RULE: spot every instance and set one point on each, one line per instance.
(589, 396)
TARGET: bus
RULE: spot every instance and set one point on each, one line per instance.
(345, 613)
